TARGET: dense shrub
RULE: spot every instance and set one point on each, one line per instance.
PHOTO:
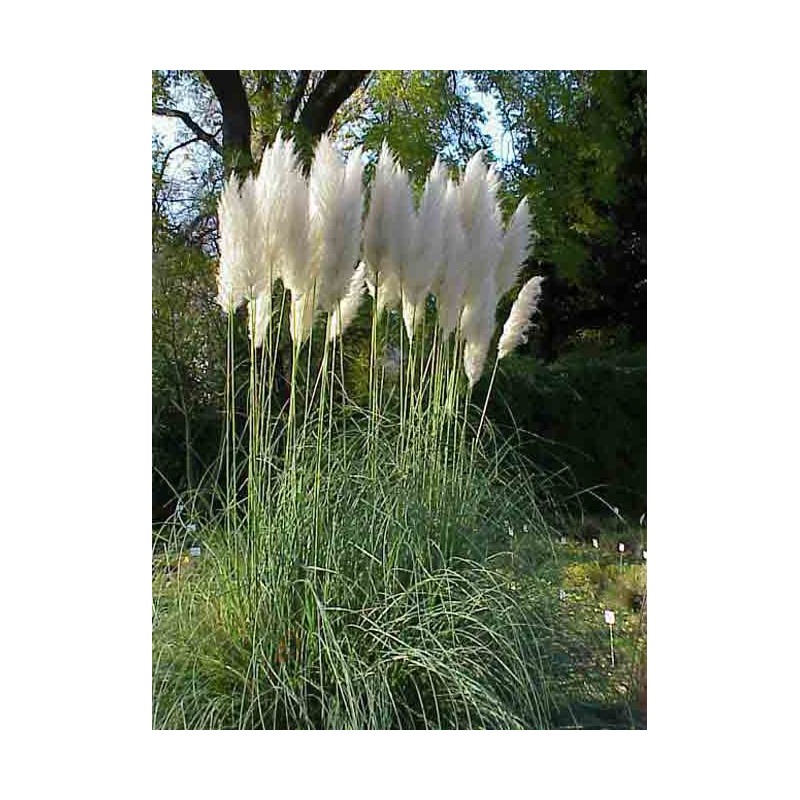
(586, 410)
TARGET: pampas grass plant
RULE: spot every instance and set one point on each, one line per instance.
(346, 584)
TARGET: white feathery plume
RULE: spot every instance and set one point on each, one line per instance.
(493, 185)
(378, 225)
(483, 229)
(484, 235)
(516, 246)
(425, 256)
(450, 283)
(413, 314)
(272, 193)
(262, 312)
(293, 267)
(283, 201)
(474, 359)
(477, 327)
(493, 180)
(474, 189)
(348, 305)
(515, 331)
(335, 221)
(403, 219)
(388, 291)
(475, 318)
(301, 318)
(388, 229)
(354, 191)
(241, 275)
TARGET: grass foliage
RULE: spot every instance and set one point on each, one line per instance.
(389, 612)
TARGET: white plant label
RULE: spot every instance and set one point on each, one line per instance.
(595, 543)
(621, 547)
(610, 617)
(194, 551)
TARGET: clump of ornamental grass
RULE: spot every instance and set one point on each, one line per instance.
(390, 616)
(346, 583)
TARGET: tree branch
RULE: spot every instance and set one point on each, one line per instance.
(170, 152)
(290, 109)
(333, 89)
(202, 135)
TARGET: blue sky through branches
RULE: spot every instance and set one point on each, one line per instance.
(184, 162)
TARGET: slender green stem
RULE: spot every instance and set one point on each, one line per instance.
(486, 401)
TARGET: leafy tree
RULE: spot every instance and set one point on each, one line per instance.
(223, 114)
(579, 152)
(421, 115)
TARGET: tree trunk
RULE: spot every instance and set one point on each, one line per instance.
(236, 154)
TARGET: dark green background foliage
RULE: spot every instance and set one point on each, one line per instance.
(588, 411)
(576, 146)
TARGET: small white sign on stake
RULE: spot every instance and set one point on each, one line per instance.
(621, 547)
(610, 618)
(595, 543)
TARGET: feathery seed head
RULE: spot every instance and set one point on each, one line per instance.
(475, 353)
(478, 318)
(283, 204)
(482, 226)
(516, 246)
(388, 291)
(293, 266)
(403, 221)
(413, 314)
(347, 308)
(476, 190)
(378, 225)
(493, 181)
(301, 318)
(452, 280)
(388, 229)
(515, 330)
(241, 275)
(477, 327)
(335, 198)
(262, 312)
(427, 248)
